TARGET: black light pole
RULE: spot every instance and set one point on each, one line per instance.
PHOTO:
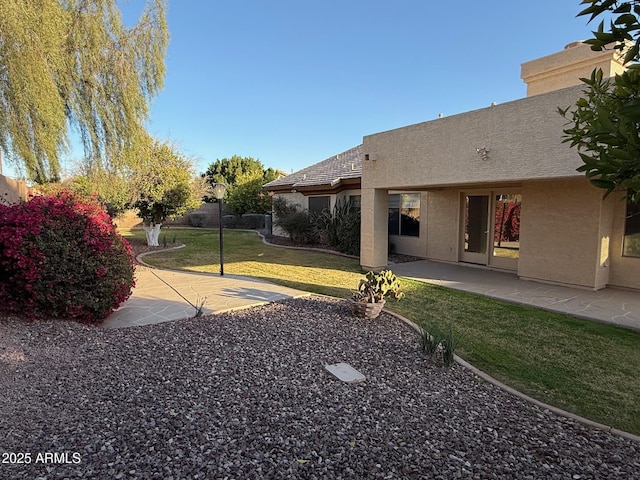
(219, 190)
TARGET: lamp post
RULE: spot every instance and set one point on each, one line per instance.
(219, 189)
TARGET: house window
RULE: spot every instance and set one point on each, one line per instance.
(318, 204)
(355, 201)
(404, 214)
(631, 244)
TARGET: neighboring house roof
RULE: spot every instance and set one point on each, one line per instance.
(332, 175)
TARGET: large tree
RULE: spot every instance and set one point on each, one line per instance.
(73, 64)
(228, 170)
(604, 124)
(244, 177)
(248, 196)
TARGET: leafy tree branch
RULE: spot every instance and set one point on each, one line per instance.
(603, 124)
(73, 66)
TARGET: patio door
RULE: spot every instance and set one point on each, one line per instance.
(490, 228)
(475, 228)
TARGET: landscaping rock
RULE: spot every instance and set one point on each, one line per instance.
(246, 395)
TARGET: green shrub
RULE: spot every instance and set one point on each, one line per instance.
(429, 342)
(253, 221)
(230, 221)
(61, 257)
(198, 218)
(295, 221)
(340, 228)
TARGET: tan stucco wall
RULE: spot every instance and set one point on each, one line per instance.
(561, 228)
(625, 271)
(565, 68)
(293, 197)
(568, 233)
(374, 239)
(603, 262)
(343, 196)
(443, 225)
(524, 138)
(12, 191)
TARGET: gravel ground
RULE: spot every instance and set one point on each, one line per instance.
(245, 395)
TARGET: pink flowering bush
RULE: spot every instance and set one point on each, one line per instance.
(61, 257)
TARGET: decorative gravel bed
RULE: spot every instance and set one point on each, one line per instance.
(244, 395)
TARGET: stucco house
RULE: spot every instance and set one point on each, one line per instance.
(495, 188)
(321, 185)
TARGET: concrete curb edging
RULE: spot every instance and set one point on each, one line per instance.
(144, 254)
(310, 249)
(527, 398)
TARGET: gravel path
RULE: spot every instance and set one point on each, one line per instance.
(244, 395)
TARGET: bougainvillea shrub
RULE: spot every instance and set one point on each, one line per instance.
(61, 257)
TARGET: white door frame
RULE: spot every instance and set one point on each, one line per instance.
(486, 257)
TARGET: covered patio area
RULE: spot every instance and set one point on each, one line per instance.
(611, 305)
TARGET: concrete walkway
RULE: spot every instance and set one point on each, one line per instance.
(611, 305)
(166, 295)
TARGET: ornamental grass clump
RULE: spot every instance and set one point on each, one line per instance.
(61, 257)
(437, 340)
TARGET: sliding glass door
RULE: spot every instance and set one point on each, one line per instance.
(491, 228)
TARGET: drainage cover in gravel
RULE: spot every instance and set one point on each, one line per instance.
(345, 372)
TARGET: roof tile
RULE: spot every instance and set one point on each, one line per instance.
(331, 171)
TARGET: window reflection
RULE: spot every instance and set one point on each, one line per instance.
(404, 214)
(631, 244)
(506, 234)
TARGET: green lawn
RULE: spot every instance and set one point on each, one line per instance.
(584, 367)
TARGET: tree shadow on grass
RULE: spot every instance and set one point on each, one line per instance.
(332, 291)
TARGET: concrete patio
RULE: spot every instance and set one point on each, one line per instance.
(610, 305)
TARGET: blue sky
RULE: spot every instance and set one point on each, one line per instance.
(293, 82)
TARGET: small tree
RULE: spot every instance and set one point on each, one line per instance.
(604, 122)
(228, 170)
(111, 188)
(165, 187)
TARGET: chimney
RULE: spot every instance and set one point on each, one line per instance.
(566, 68)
